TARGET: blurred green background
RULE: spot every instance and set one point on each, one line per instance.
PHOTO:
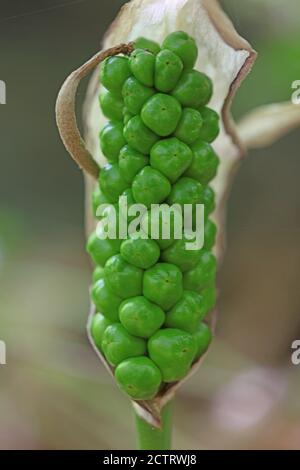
(54, 394)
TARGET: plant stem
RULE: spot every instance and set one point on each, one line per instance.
(151, 438)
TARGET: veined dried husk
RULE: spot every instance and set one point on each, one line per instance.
(227, 58)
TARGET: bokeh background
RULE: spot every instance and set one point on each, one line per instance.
(54, 394)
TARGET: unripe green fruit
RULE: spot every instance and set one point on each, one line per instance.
(171, 157)
(139, 378)
(168, 68)
(140, 252)
(194, 89)
(98, 198)
(147, 44)
(202, 275)
(210, 232)
(189, 126)
(101, 250)
(182, 257)
(209, 295)
(112, 182)
(202, 337)
(135, 95)
(211, 127)
(150, 187)
(142, 65)
(161, 113)
(112, 140)
(186, 313)
(205, 162)
(173, 351)
(114, 72)
(112, 105)
(98, 273)
(131, 162)
(98, 327)
(124, 279)
(127, 115)
(138, 136)
(186, 191)
(106, 302)
(162, 221)
(184, 46)
(162, 284)
(118, 344)
(208, 200)
(141, 317)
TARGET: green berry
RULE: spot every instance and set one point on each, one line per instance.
(118, 344)
(194, 89)
(135, 95)
(138, 136)
(209, 296)
(210, 232)
(162, 284)
(211, 127)
(139, 378)
(202, 337)
(142, 64)
(141, 317)
(114, 72)
(98, 198)
(112, 140)
(171, 157)
(186, 313)
(184, 46)
(179, 255)
(159, 224)
(106, 302)
(144, 43)
(124, 279)
(203, 274)
(101, 250)
(150, 187)
(98, 327)
(205, 162)
(127, 115)
(208, 200)
(142, 253)
(98, 273)
(111, 105)
(168, 68)
(189, 127)
(131, 162)
(186, 191)
(161, 113)
(112, 182)
(173, 351)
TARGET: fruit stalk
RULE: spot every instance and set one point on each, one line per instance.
(153, 438)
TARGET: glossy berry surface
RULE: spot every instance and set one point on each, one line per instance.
(161, 113)
(112, 105)
(139, 136)
(141, 317)
(186, 191)
(184, 46)
(186, 313)
(208, 200)
(162, 284)
(140, 252)
(171, 157)
(139, 378)
(147, 44)
(202, 337)
(112, 182)
(210, 232)
(142, 64)
(173, 351)
(112, 140)
(101, 250)
(194, 89)
(131, 162)
(189, 126)
(162, 230)
(150, 187)
(124, 279)
(211, 127)
(106, 301)
(114, 72)
(135, 95)
(205, 162)
(203, 274)
(168, 68)
(180, 255)
(98, 327)
(118, 344)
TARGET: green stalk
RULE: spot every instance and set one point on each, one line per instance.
(151, 438)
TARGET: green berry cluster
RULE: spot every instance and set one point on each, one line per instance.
(152, 295)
